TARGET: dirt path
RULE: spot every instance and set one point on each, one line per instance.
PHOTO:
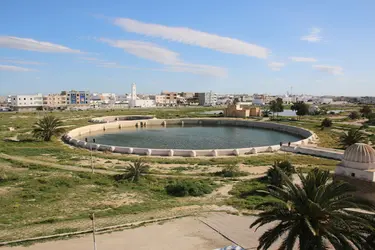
(255, 172)
(54, 165)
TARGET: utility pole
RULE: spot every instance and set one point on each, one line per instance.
(92, 217)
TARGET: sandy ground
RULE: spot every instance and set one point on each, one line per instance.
(204, 232)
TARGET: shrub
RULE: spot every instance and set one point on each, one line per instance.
(354, 115)
(326, 123)
(230, 171)
(273, 175)
(183, 188)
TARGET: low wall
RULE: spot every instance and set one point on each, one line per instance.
(107, 119)
(320, 152)
(114, 122)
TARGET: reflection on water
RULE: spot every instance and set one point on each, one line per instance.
(197, 137)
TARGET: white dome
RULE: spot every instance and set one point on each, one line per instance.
(360, 156)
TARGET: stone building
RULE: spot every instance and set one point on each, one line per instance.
(358, 168)
(243, 111)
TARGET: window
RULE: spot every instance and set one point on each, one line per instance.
(14, 99)
(31, 99)
(24, 99)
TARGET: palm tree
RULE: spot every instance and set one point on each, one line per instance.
(273, 174)
(317, 214)
(47, 127)
(134, 171)
(353, 136)
(266, 113)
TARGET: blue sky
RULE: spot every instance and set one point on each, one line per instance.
(318, 47)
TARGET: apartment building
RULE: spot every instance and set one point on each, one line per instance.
(27, 102)
(74, 97)
(160, 100)
(207, 98)
(54, 101)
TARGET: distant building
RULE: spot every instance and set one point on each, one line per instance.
(170, 97)
(27, 102)
(134, 102)
(325, 100)
(77, 97)
(207, 99)
(54, 101)
(259, 100)
(187, 95)
(240, 110)
(160, 100)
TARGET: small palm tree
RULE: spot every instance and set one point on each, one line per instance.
(274, 175)
(316, 214)
(134, 171)
(47, 127)
(353, 136)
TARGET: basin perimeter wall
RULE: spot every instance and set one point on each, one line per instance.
(111, 123)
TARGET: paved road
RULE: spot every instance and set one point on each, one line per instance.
(215, 230)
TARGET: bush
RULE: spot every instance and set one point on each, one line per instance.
(230, 171)
(326, 123)
(183, 188)
(354, 115)
(273, 175)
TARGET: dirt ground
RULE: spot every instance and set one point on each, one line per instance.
(210, 231)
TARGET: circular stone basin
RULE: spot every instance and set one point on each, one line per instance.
(191, 137)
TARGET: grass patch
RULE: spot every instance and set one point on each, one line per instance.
(183, 188)
(244, 194)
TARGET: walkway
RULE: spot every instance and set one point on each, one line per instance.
(206, 232)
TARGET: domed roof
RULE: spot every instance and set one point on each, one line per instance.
(360, 153)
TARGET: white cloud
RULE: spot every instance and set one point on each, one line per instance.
(313, 36)
(303, 59)
(276, 66)
(14, 68)
(145, 50)
(193, 37)
(334, 70)
(33, 45)
(164, 56)
(19, 61)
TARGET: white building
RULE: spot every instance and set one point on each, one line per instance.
(207, 98)
(358, 169)
(325, 100)
(259, 100)
(27, 102)
(358, 162)
(134, 102)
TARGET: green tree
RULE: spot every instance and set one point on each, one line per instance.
(354, 115)
(316, 213)
(276, 106)
(47, 127)
(301, 108)
(274, 176)
(266, 113)
(371, 119)
(354, 135)
(365, 111)
(134, 171)
(326, 123)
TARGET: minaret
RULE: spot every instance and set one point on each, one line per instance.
(134, 92)
(133, 95)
